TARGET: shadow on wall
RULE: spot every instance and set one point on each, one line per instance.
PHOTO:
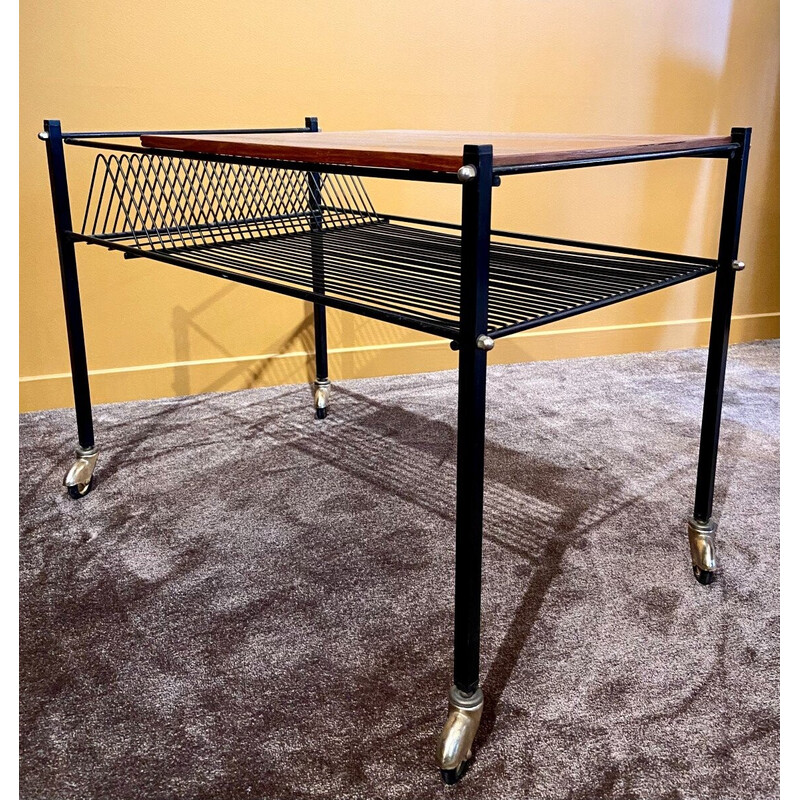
(691, 84)
(767, 239)
(247, 374)
(695, 82)
(687, 84)
(275, 368)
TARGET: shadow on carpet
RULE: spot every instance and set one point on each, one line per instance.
(255, 604)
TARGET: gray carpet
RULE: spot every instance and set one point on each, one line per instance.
(254, 604)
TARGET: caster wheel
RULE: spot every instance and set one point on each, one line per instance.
(455, 742)
(452, 776)
(703, 576)
(79, 490)
(321, 395)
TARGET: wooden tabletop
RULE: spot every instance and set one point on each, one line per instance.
(427, 150)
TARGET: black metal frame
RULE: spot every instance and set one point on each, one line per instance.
(732, 207)
(470, 293)
(317, 267)
(69, 282)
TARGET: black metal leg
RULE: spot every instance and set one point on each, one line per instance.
(322, 384)
(77, 346)
(466, 697)
(476, 225)
(701, 528)
(79, 478)
(469, 516)
(321, 342)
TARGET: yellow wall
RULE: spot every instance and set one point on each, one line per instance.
(618, 66)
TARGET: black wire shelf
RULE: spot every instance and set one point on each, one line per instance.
(414, 273)
(318, 237)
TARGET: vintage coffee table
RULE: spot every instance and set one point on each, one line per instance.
(286, 210)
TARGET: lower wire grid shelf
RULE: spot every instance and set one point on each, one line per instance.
(319, 237)
(414, 273)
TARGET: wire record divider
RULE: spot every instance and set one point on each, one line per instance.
(306, 227)
(258, 220)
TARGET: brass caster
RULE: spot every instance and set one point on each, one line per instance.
(80, 477)
(702, 546)
(455, 743)
(322, 391)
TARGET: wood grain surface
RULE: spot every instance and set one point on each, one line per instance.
(426, 150)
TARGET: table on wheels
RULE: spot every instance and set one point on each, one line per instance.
(286, 210)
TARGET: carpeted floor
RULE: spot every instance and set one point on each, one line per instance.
(254, 604)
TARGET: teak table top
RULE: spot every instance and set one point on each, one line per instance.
(426, 150)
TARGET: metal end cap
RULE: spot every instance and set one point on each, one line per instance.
(43, 135)
(702, 527)
(466, 173)
(466, 702)
(484, 342)
(738, 265)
